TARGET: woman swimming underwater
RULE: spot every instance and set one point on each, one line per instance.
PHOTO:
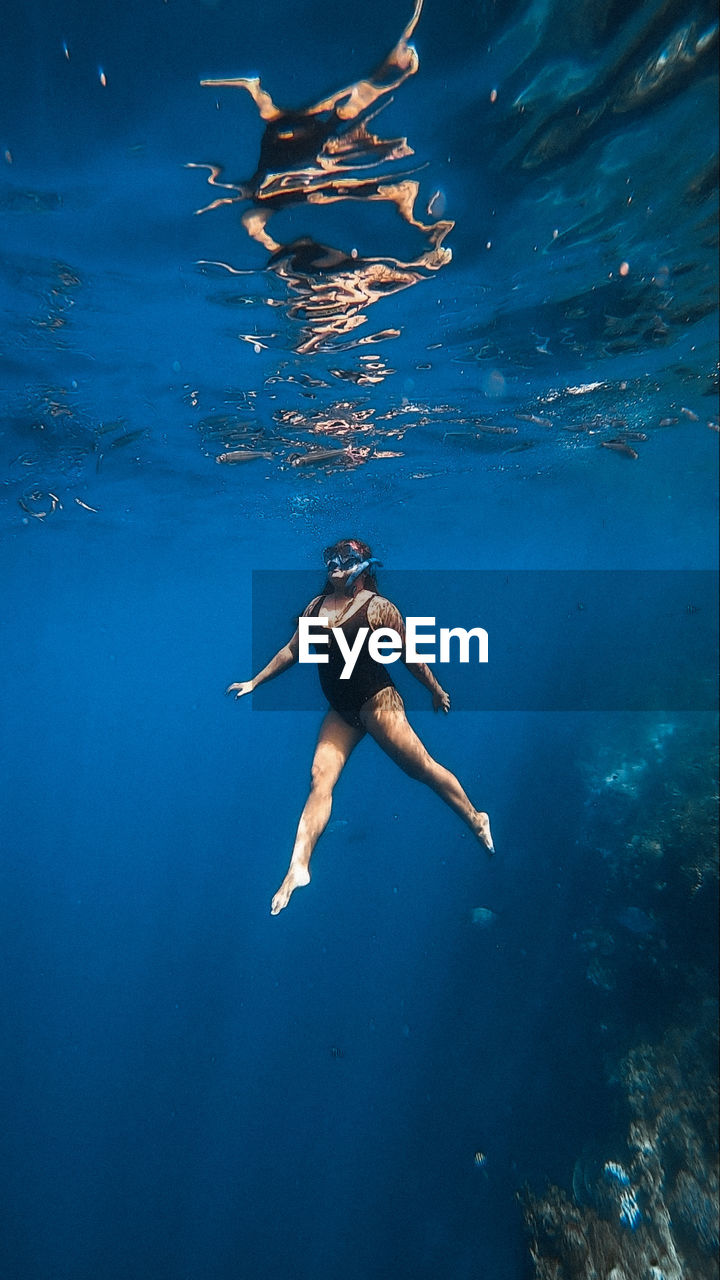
(367, 702)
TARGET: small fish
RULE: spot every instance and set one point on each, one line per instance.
(633, 435)
(520, 448)
(317, 455)
(117, 424)
(619, 446)
(242, 455)
(84, 505)
(532, 417)
(336, 1052)
(35, 502)
(689, 414)
(667, 422)
(337, 824)
(480, 1160)
(130, 438)
(491, 430)
(483, 916)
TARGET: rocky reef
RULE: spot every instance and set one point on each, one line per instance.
(652, 800)
(651, 1212)
(649, 845)
(644, 1202)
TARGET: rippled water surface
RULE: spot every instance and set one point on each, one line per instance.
(495, 254)
(444, 278)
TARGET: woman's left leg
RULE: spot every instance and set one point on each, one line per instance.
(384, 717)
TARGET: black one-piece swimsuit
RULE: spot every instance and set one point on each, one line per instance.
(368, 677)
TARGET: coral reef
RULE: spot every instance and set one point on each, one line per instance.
(652, 801)
(648, 853)
(649, 839)
(653, 1215)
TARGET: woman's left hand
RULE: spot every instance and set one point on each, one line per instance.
(441, 700)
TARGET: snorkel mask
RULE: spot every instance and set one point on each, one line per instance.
(352, 559)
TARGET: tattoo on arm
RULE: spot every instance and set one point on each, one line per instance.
(383, 613)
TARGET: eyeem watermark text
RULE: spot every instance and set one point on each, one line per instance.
(385, 644)
(564, 640)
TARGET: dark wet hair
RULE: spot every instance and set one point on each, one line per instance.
(367, 580)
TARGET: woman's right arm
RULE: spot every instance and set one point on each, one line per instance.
(283, 659)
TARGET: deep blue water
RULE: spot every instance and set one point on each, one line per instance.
(195, 1090)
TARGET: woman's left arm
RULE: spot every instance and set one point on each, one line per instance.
(383, 613)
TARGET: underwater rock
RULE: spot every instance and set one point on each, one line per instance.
(600, 975)
(637, 920)
(615, 1171)
(630, 1213)
(650, 836)
(596, 942)
(655, 1215)
(652, 813)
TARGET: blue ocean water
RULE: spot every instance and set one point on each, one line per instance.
(196, 1090)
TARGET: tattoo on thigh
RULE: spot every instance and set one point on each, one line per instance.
(385, 701)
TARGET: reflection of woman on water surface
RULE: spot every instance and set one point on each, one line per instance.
(367, 702)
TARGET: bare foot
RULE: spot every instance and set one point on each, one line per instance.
(297, 876)
(481, 827)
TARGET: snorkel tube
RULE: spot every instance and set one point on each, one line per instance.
(364, 564)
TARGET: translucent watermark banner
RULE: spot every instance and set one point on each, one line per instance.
(558, 640)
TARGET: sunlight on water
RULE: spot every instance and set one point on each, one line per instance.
(556, 256)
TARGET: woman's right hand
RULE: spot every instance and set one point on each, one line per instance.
(240, 688)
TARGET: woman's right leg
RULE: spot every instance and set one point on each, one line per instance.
(335, 743)
(384, 718)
